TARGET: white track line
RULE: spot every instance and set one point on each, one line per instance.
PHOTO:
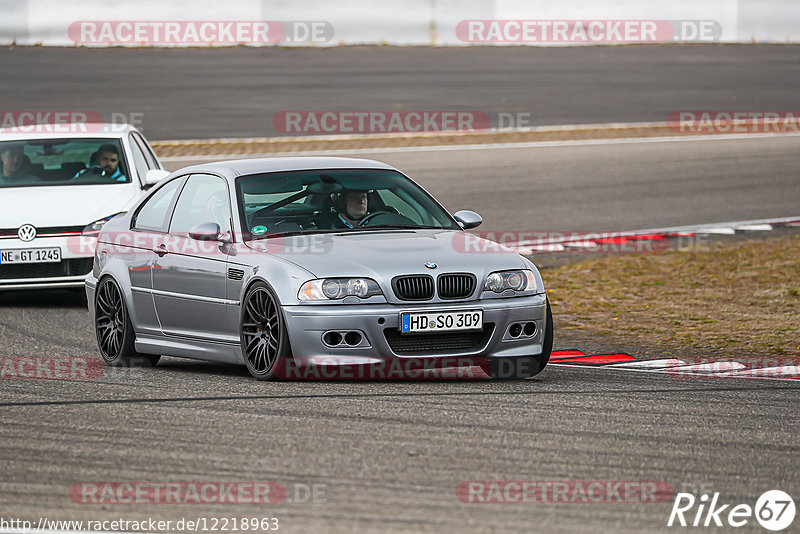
(717, 231)
(778, 371)
(711, 367)
(672, 373)
(729, 228)
(650, 364)
(755, 227)
(488, 146)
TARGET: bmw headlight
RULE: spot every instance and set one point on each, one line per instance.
(338, 288)
(520, 280)
(94, 228)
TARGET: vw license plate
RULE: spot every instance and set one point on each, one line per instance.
(30, 255)
(441, 321)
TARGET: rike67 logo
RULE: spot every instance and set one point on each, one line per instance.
(774, 510)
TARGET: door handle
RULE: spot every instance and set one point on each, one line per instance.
(161, 250)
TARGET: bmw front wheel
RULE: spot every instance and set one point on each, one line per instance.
(263, 332)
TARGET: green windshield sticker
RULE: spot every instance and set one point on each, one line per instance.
(258, 230)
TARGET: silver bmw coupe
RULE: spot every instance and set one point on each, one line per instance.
(293, 264)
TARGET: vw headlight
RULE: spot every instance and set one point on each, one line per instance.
(94, 228)
(520, 280)
(338, 288)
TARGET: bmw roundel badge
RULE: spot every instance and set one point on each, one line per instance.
(431, 265)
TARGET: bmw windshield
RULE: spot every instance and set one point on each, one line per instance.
(318, 201)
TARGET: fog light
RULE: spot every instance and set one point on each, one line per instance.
(352, 338)
(332, 338)
(515, 330)
(530, 329)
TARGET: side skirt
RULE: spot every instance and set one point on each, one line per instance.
(189, 348)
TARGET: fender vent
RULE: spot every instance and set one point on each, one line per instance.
(235, 274)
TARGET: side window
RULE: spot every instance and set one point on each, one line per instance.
(145, 148)
(139, 161)
(153, 214)
(204, 199)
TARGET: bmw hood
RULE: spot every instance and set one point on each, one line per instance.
(65, 205)
(379, 254)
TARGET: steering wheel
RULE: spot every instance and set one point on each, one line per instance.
(363, 222)
(91, 172)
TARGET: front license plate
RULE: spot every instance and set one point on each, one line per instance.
(441, 321)
(30, 255)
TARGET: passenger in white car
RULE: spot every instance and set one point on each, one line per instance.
(15, 168)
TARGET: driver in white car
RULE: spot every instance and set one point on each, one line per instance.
(106, 164)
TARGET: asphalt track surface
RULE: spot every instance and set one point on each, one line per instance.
(235, 92)
(389, 454)
(392, 454)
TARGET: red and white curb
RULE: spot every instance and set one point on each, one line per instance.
(678, 368)
(627, 240)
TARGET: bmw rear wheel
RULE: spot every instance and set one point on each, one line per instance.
(263, 332)
(115, 336)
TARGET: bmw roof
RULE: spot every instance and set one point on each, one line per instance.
(244, 167)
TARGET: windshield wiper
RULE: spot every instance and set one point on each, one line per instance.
(396, 227)
(296, 232)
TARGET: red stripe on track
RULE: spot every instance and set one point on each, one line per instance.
(656, 237)
(600, 359)
(558, 354)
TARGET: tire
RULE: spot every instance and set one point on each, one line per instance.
(262, 331)
(525, 366)
(114, 330)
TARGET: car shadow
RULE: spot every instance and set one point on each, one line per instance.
(44, 298)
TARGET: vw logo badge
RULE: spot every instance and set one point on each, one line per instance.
(431, 265)
(26, 232)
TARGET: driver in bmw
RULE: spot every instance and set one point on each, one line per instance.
(351, 206)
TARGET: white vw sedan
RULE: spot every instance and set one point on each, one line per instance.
(56, 192)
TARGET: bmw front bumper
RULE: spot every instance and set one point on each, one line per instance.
(378, 326)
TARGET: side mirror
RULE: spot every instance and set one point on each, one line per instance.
(207, 231)
(467, 219)
(153, 176)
